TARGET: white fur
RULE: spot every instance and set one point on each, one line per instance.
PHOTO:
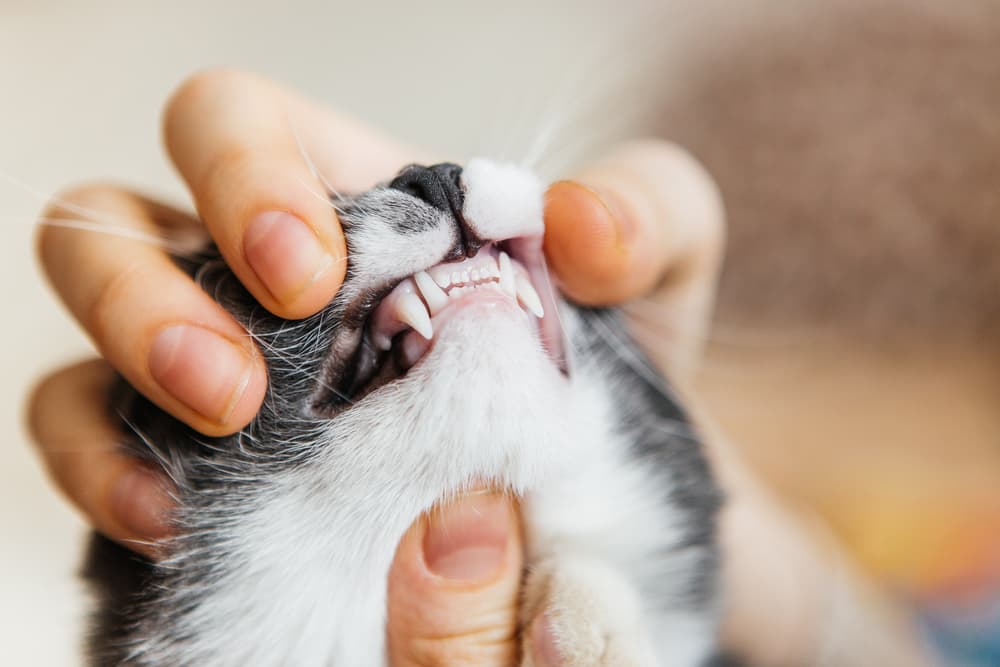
(382, 254)
(502, 200)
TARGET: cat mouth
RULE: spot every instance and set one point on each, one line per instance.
(403, 326)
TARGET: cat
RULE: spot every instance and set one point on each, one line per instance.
(446, 360)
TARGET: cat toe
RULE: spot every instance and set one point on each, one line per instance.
(580, 612)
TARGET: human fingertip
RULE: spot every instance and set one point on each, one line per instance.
(288, 258)
(588, 238)
(140, 503)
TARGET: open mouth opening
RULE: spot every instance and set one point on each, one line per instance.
(398, 330)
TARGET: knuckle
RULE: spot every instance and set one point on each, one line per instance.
(206, 82)
(47, 400)
(690, 195)
(37, 403)
(439, 652)
(101, 315)
(65, 204)
(486, 645)
(73, 204)
(228, 165)
(709, 217)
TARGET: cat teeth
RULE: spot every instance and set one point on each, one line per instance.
(528, 297)
(434, 296)
(441, 276)
(507, 275)
(427, 293)
(411, 311)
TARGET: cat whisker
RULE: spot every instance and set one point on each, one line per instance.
(168, 459)
(309, 161)
(603, 90)
(102, 222)
(329, 202)
(176, 248)
(289, 358)
(622, 347)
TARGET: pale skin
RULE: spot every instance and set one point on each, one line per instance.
(644, 220)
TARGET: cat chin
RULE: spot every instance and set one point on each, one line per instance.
(486, 349)
(484, 391)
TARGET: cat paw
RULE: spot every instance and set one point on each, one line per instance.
(579, 612)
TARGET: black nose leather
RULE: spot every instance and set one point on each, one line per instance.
(440, 185)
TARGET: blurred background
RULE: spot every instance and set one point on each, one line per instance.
(857, 144)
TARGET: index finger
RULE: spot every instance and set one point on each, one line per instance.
(258, 160)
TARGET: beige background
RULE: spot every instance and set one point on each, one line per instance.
(81, 85)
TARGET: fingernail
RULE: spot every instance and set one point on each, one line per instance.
(467, 540)
(285, 254)
(543, 642)
(201, 369)
(141, 504)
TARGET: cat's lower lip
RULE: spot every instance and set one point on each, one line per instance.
(414, 345)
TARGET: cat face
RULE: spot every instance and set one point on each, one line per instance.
(437, 248)
(445, 288)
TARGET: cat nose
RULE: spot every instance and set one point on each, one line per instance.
(440, 185)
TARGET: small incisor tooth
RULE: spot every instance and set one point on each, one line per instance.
(436, 299)
(528, 297)
(410, 310)
(441, 276)
(506, 274)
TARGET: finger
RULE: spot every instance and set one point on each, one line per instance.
(453, 588)
(68, 417)
(645, 217)
(245, 147)
(149, 320)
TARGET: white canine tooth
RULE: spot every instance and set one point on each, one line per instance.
(528, 297)
(465, 277)
(506, 274)
(456, 278)
(474, 275)
(435, 298)
(410, 310)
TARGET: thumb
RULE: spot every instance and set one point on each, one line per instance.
(646, 219)
(454, 586)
